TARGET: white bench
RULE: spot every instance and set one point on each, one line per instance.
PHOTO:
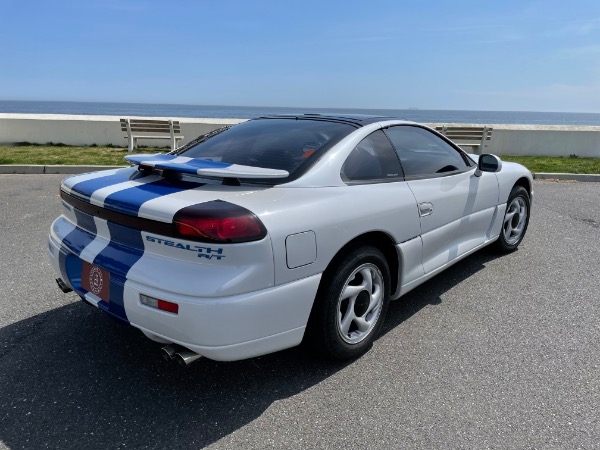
(158, 129)
(477, 137)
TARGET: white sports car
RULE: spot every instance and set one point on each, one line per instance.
(253, 238)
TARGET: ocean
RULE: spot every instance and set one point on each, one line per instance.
(247, 112)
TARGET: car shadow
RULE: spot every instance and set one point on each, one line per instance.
(431, 292)
(72, 378)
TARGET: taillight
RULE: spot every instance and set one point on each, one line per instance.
(156, 303)
(218, 221)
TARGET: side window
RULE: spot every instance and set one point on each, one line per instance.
(423, 154)
(372, 160)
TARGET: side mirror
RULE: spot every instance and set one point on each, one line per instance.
(488, 163)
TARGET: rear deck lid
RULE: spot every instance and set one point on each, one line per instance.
(144, 196)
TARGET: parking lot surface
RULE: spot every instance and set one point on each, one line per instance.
(496, 352)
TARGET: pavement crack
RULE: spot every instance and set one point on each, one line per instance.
(586, 221)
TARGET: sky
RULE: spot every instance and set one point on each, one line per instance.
(504, 55)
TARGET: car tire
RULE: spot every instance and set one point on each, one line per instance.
(346, 319)
(515, 221)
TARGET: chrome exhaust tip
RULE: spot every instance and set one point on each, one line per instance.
(187, 357)
(168, 351)
(63, 286)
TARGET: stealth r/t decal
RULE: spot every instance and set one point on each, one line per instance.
(202, 251)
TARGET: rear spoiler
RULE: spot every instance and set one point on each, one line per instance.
(203, 167)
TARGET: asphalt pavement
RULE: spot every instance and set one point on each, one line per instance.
(496, 352)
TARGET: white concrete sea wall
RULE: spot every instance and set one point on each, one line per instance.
(88, 130)
(539, 140)
(546, 140)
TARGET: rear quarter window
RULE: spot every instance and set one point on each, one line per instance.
(372, 160)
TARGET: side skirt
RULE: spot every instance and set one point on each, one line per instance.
(413, 284)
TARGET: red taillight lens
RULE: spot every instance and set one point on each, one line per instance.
(227, 229)
(168, 306)
(163, 305)
(218, 221)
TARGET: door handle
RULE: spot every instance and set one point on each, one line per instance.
(425, 209)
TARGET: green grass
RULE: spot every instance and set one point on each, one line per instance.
(113, 156)
(41, 154)
(561, 164)
(66, 155)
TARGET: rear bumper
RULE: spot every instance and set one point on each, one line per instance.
(221, 327)
(227, 328)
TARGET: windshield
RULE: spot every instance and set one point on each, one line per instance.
(285, 144)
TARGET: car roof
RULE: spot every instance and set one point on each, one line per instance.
(357, 120)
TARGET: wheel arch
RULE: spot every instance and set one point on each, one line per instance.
(380, 240)
(524, 183)
(315, 329)
(508, 243)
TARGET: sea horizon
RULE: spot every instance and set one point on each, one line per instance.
(247, 112)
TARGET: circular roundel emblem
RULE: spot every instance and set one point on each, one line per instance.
(96, 281)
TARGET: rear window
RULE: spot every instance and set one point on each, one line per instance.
(285, 144)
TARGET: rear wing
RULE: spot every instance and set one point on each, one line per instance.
(202, 167)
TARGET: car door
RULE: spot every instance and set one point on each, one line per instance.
(383, 200)
(455, 206)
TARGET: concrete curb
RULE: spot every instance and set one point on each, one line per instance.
(58, 169)
(567, 176)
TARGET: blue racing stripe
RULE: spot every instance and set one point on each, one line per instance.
(80, 238)
(62, 264)
(84, 232)
(130, 200)
(125, 249)
(85, 221)
(192, 166)
(115, 307)
(77, 240)
(160, 161)
(87, 188)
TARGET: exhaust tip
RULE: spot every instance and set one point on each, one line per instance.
(63, 286)
(168, 352)
(187, 357)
